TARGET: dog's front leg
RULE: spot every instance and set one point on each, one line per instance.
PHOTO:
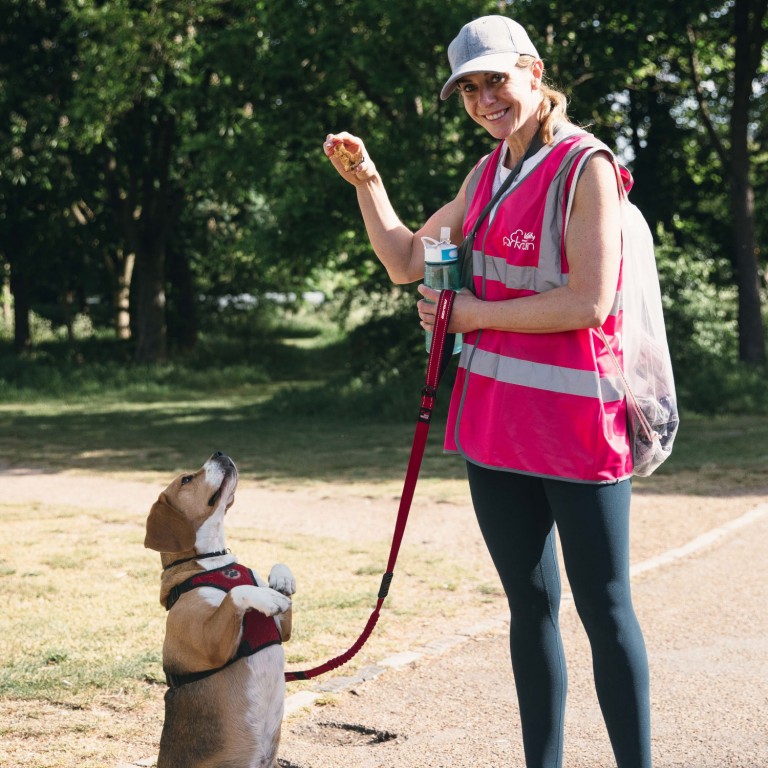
(266, 600)
(281, 579)
(221, 631)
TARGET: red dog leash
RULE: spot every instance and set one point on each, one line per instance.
(439, 356)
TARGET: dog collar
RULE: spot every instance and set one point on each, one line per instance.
(197, 557)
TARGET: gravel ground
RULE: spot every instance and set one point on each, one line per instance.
(707, 635)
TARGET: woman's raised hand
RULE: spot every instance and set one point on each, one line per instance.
(349, 157)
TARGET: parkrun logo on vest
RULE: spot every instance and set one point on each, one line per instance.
(521, 241)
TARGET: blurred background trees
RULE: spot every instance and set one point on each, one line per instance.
(159, 156)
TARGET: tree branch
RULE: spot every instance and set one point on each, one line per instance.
(757, 34)
(703, 103)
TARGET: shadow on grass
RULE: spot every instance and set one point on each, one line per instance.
(290, 413)
(726, 455)
(267, 439)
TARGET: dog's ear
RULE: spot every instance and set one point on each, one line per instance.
(168, 530)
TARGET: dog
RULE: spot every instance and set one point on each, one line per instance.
(222, 652)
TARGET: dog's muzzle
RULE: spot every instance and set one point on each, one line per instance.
(229, 468)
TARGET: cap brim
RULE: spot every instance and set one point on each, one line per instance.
(492, 62)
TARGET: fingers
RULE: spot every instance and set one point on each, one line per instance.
(352, 143)
(463, 320)
(430, 294)
(345, 151)
(348, 155)
(426, 310)
(427, 306)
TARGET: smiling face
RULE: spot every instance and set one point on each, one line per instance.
(506, 104)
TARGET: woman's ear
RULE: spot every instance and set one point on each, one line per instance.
(537, 70)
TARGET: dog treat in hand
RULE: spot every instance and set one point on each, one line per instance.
(348, 159)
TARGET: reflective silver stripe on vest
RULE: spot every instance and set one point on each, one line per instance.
(525, 278)
(551, 378)
(519, 278)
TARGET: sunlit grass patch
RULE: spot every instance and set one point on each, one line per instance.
(84, 617)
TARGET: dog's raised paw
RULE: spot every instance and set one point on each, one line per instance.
(263, 599)
(281, 579)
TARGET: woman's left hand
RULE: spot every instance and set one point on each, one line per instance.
(460, 316)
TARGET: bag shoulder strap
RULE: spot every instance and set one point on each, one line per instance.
(535, 145)
(465, 249)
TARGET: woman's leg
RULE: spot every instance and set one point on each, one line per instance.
(514, 517)
(593, 524)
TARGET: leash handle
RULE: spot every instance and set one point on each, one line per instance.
(439, 357)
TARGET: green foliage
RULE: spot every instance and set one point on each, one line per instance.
(377, 373)
(293, 363)
(189, 132)
(700, 309)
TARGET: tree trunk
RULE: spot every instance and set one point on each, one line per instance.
(751, 331)
(120, 266)
(21, 289)
(149, 313)
(145, 209)
(18, 259)
(123, 299)
(6, 295)
(68, 311)
(182, 301)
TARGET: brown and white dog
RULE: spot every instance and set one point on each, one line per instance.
(222, 655)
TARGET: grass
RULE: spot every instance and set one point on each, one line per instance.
(81, 680)
(83, 616)
(161, 438)
(83, 627)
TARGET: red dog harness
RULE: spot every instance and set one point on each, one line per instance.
(259, 631)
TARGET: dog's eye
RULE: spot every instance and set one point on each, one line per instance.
(186, 479)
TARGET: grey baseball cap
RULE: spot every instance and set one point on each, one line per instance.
(487, 44)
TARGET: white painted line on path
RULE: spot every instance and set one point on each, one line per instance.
(400, 661)
(700, 542)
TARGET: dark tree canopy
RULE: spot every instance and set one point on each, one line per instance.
(154, 152)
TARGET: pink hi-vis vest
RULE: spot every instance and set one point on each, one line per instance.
(549, 404)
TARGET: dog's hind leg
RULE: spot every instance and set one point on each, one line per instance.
(192, 732)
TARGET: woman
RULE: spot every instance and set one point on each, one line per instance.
(536, 410)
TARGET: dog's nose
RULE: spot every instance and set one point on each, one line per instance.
(222, 459)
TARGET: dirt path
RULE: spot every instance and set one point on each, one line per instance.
(441, 515)
(709, 689)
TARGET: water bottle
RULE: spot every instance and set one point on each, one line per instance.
(441, 270)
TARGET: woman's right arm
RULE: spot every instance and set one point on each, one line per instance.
(399, 250)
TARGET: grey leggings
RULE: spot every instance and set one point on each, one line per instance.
(517, 516)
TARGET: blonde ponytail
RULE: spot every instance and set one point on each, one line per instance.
(554, 104)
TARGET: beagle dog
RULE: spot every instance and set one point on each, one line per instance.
(222, 653)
